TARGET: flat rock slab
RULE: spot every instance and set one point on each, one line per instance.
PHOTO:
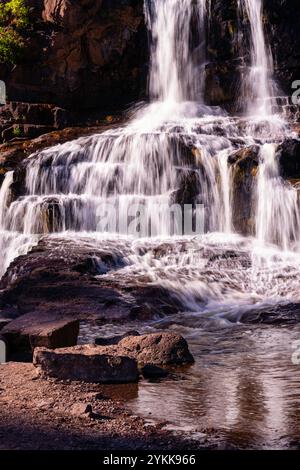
(86, 363)
(32, 330)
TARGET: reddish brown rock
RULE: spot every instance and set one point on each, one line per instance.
(117, 363)
(32, 330)
(157, 348)
(86, 363)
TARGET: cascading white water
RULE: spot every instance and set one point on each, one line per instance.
(278, 216)
(144, 161)
(173, 146)
(277, 219)
(176, 73)
(258, 85)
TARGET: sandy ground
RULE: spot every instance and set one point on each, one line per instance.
(48, 414)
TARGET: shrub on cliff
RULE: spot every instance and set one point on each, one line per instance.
(14, 17)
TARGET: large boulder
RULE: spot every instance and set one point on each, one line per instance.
(86, 363)
(157, 348)
(32, 330)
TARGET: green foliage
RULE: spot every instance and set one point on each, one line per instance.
(14, 12)
(17, 131)
(11, 46)
(14, 16)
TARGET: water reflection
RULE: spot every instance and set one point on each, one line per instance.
(243, 384)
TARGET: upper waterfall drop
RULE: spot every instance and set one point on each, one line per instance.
(177, 59)
(259, 87)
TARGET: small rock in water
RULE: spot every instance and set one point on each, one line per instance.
(150, 371)
(114, 339)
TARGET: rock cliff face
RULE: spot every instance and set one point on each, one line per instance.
(84, 54)
(81, 54)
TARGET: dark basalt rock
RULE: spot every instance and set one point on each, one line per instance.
(245, 165)
(150, 371)
(288, 154)
(288, 314)
(64, 277)
(226, 66)
(81, 54)
(13, 154)
(114, 339)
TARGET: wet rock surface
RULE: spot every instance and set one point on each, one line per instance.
(13, 154)
(226, 67)
(288, 154)
(84, 280)
(244, 166)
(60, 277)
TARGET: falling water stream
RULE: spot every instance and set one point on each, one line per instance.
(217, 277)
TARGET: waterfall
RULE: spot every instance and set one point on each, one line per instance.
(259, 85)
(148, 162)
(174, 150)
(177, 65)
(278, 218)
(12, 242)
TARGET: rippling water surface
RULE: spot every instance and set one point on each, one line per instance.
(243, 384)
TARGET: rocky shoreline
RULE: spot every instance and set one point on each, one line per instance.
(39, 414)
(55, 403)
